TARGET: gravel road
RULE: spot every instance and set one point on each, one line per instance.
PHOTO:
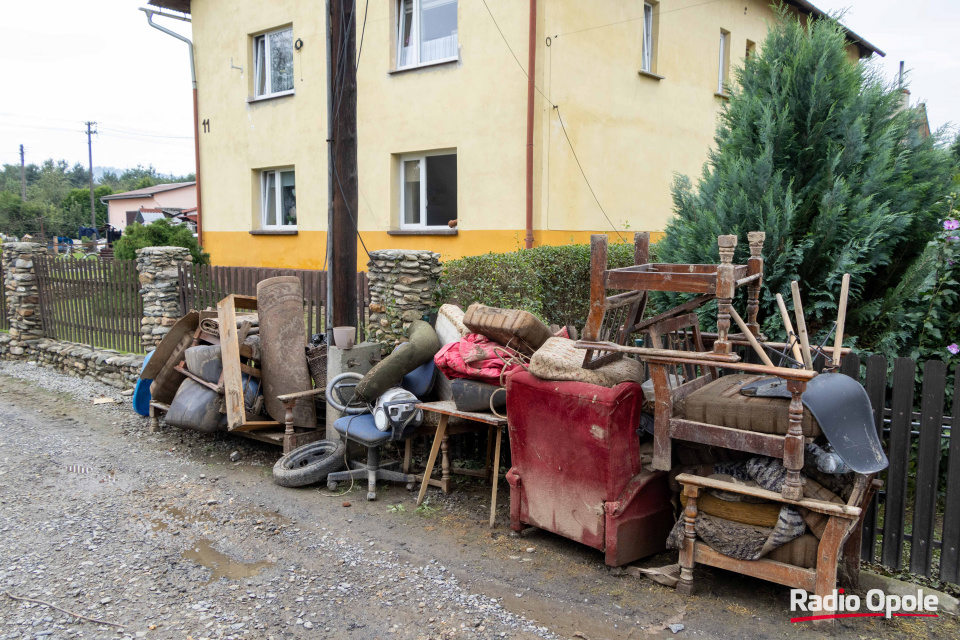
(164, 536)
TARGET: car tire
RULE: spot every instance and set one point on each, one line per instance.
(309, 464)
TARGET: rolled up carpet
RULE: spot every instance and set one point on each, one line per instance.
(422, 346)
(283, 335)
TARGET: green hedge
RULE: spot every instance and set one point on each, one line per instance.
(552, 282)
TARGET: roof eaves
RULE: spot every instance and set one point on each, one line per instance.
(861, 42)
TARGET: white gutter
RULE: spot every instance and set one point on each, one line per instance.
(154, 12)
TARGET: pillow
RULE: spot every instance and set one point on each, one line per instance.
(559, 360)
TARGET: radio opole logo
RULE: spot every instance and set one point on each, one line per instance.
(877, 604)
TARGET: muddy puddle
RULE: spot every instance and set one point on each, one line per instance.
(222, 565)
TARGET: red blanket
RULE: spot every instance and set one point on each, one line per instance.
(476, 357)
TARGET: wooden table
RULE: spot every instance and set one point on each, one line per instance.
(446, 409)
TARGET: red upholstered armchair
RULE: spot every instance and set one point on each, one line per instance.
(576, 467)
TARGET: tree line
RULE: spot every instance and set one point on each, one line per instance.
(58, 196)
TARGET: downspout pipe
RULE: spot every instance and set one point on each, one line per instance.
(196, 122)
(531, 69)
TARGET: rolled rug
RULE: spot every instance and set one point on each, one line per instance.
(283, 335)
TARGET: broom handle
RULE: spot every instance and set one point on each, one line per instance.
(749, 335)
(801, 326)
(789, 327)
(841, 319)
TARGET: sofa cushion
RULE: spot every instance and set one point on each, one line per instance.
(721, 403)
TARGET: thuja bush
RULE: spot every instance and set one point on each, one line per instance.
(818, 152)
(552, 282)
(159, 233)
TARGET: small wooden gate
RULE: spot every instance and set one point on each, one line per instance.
(90, 301)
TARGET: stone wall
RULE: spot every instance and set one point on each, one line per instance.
(402, 287)
(23, 295)
(159, 289)
(116, 369)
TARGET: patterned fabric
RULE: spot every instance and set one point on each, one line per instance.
(478, 358)
(450, 327)
(558, 359)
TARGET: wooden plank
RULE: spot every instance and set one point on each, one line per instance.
(764, 444)
(230, 356)
(820, 506)
(928, 467)
(770, 570)
(648, 353)
(702, 283)
(950, 550)
(898, 452)
(257, 425)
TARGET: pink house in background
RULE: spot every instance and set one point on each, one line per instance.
(122, 208)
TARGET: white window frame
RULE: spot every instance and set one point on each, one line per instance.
(258, 70)
(415, 37)
(422, 158)
(646, 56)
(278, 196)
(722, 73)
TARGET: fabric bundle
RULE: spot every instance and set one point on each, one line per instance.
(478, 358)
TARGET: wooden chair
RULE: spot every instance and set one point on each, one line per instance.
(839, 547)
(613, 319)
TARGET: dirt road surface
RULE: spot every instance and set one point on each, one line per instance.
(164, 535)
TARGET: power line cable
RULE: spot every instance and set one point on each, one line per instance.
(565, 135)
(145, 134)
(613, 24)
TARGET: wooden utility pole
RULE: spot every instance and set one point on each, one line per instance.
(342, 101)
(23, 177)
(93, 208)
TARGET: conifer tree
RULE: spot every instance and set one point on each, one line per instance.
(817, 151)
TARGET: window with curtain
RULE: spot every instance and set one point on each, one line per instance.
(722, 75)
(273, 63)
(428, 190)
(646, 63)
(278, 198)
(426, 31)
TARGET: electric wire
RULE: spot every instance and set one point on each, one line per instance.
(613, 24)
(565, 134)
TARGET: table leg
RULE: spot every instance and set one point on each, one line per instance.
(437, 439)
(407, 455)
(496, 478)
(489, 452)
(445, 464)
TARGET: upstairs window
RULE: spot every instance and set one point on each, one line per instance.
(646, 61)
(428, 191)
(278, 198)
(723, 75)
(426, 32)
(273, 63)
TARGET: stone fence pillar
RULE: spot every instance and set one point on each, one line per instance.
(159, 290)
(402, 287)
(23, 294)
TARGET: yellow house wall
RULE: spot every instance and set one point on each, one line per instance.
(631, 133)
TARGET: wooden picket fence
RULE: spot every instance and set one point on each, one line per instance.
(90, 301)
(914, 521)
(202, 286)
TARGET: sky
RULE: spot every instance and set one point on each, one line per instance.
(66, 62)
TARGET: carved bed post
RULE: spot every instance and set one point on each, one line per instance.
(793, 443)
(726, 285)
(598, 286)
(754, 266)
(685, 585)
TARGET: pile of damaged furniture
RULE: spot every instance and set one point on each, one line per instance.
(646, 434)
(242, 368)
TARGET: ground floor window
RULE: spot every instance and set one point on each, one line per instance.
(278, 198)
(428, 190)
